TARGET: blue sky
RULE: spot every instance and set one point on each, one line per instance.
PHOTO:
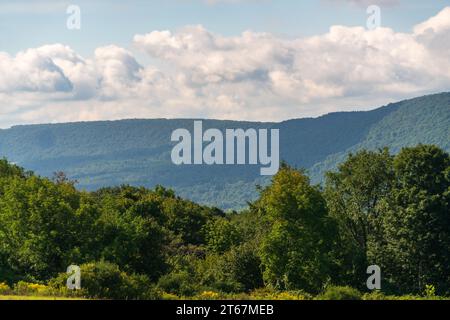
(32, 23)
(223, 59)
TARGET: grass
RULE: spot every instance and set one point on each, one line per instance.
(12, 297)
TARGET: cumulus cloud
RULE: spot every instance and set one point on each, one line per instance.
(437, 24)
(345, 62)
(252, 76)
(32, 70)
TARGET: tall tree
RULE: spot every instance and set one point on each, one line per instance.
(295, 252)
(37, 225)
(354, 195)
(417, 223)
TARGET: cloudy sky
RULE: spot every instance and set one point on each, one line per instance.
(225, 59)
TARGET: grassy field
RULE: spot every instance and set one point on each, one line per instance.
(11, 297)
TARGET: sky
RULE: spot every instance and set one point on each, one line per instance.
(260, 60)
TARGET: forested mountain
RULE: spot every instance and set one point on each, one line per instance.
(137, 152)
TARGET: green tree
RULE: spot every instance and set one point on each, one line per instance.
(187, 219)
(37, 225)
(221, 235)
(130, 235)
(295, 252)
(244, 265)
(417, 223)
(354, 194)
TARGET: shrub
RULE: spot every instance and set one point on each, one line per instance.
(374, 295)
(430, 291)
(243, 264)
(169, 296)
(216, 273)
(271, 294)
(208, 295)
(292, 295)
(104, 280)
(263, 294)
(27, 288)
(340, 293)
(4, 288)
(178, 283)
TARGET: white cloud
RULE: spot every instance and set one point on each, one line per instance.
(118, 71)
(436, 24)
(253, 76)
(31, 71)
(434, 33)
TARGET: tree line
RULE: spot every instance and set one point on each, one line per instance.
(374, 209)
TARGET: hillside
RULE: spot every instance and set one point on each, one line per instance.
(137, 152)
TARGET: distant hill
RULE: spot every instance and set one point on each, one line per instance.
(137, 152)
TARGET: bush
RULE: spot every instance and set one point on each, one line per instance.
(104, 280)
(178, 283)
(430, 291)
(208, 295)
(378, 295)
(340, 293)
(169, 296)
(374, 295)
(4, 288)
(243, 265)
(216, 273)
(27, 289)
(292, 295)
(271, 294)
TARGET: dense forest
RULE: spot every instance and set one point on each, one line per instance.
(297, 238)
(137, 152)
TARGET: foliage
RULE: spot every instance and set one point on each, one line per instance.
(104, 280)
(25, 288)
(430, 290)
(417, 222)
(394, 212)
(295, 252)
(294, 241)
(38, 225)
(354, 194)
(179, 283)
(244, 266)
(5, 288)
(340, 293)
(221, 235)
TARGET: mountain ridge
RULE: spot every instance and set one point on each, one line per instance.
(137, 151)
